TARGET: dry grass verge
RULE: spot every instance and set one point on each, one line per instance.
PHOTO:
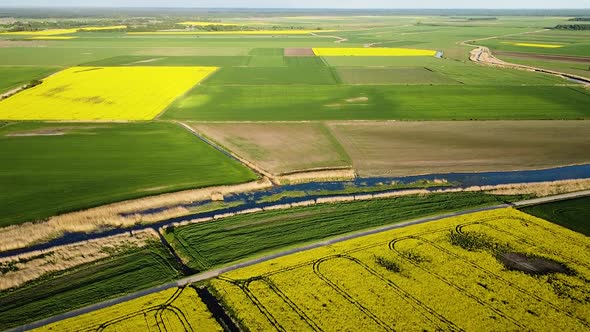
(540, 189)
(111, 216)
(319, 175)
(17, 270)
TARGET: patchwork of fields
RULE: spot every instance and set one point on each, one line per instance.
(125, 272)
(492, 270)
(211, 244)
(218, 111)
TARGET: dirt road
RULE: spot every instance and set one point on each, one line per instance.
(483, 55)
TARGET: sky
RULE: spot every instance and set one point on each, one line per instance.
(356, 4)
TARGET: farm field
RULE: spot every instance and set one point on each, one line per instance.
(211, 244)
(566, 66)
(490, 270)
(397, 75)
(544, 42)
(53, 168)
(372, 51)
(63, 291)
(572, 214)
(99, 93)
(445, 102)
(14, 77)
(410, 148)
(270, 145)
(454, 71)
(171, 310)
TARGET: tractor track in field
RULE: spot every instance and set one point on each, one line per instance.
(219, 271)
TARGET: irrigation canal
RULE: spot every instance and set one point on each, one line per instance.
(316, 190)
(217, 272)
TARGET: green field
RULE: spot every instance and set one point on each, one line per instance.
(145, 60)
(384, 76)
(14, 77)
(49, 169)
(573, 214)
(220, 242)
(272, 76)
(572, 43)
(340, 102)
(64, 291)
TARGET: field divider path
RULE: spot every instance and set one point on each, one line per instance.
(222, 270)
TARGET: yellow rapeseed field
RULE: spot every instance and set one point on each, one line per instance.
(535, 45)
(171, 310)
(103, 93)
(244, 32)
(49, 32)
(53, 32)
(372, 51)
(462, 273)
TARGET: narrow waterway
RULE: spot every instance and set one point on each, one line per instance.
(313, 191)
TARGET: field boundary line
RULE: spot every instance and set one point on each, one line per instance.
(231, 154)
(167, 108)
(219, 271)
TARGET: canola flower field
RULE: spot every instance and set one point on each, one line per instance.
(103, 93)
(53, 32)
(177, 309)
(534, 45)
(499, 270)
(371, 51)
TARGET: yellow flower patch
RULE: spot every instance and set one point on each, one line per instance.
(535, 45)
(170, 310)
(453, 274)
(103, 93)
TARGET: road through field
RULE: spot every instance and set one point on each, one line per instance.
(484, 55)
(217, 272)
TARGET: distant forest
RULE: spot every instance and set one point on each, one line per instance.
(579, 19)
(572, 27)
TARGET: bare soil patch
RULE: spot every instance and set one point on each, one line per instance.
(40, 133)
(299, 52)
(568, 58)
(21, 43)
(57, 131)
(279, 148)
(357, 100)
(535, 265)
(412, 148)
(145, 61)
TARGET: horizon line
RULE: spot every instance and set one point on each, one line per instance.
(289, 8)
